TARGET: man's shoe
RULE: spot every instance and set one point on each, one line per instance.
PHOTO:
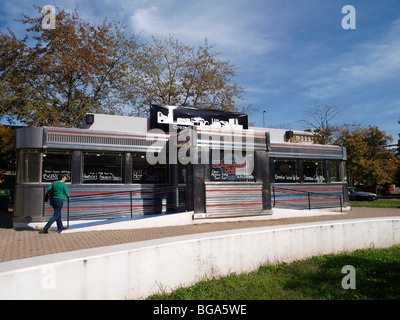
(45, 230)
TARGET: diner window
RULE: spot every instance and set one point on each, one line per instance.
(55, 163)
(313, 171)
(28, 166)
(286, 171)
(103, 167)
(336, 171)
(143, 172)
(232, 166)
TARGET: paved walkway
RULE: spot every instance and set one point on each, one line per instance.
(20, 244)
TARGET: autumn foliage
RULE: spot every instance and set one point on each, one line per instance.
(53, 77)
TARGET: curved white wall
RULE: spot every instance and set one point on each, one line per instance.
(136, 270)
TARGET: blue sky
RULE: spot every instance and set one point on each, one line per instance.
(290, 53)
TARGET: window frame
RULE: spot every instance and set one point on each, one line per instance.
(22, 171)
(63, 152)
(301, 170)
(230, 177)
(296, 178)
(141, 179)
(98, 180)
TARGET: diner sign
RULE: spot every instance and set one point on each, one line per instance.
(231, 168)
(162, 117)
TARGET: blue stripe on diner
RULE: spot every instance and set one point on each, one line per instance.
(218, 144)
(121, 219)
(287, 194)
(115, 199)
(305, 156)
(233, 198)
(305, 194)
(299, 200)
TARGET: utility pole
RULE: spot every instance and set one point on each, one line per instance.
(263, 118)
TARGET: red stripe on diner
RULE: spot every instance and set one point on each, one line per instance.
(108, 207)
(99, 207)
(294, 200)
(234, 190)
(305, 146)
(102, 192)
(234, 204)
(241, 133)
(117, 192)
(291, 189)
(135, 192)
(104, 134)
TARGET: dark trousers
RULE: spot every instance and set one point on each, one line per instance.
(57, 205)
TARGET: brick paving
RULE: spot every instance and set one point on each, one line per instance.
(20, 244)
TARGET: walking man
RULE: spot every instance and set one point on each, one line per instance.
(59, 190)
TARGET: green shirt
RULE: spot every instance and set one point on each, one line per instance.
(59, 190)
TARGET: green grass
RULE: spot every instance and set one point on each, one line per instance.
(377, 277)
(380, 203)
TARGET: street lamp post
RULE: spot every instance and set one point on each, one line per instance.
(263, 118)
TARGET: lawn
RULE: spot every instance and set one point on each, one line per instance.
(377, 277)
(382, 202)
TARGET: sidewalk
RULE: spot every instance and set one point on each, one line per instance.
(21, 244)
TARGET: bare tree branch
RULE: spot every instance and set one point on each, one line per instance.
(320, 118)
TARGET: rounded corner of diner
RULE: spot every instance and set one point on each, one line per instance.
(208, 162)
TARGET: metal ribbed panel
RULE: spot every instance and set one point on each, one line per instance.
(242, 140)
(305, 196)
(103, 202)
(307, 151)
(232, 199)
(76, 138)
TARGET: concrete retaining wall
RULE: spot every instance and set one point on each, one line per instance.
(136, 270)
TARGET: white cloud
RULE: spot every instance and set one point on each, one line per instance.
(366, 64)
(156, 22)
(217, 23)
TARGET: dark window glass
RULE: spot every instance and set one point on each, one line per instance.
(232, 167)
(286, 171)
(143, 172)
(103, 168)
(28, 166)
(55, 163)
(336, 171)
(313, 171)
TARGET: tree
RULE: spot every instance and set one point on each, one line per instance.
(7, 151)
(166, 71)
(320, 117)
(369, 160)
(397, 179)
(62, 74)
(55, 76)
(398, 144)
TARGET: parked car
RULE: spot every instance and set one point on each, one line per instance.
(385, 189)
(388, 189)
(356, 194)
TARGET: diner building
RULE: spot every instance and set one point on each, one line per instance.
(179, 159)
